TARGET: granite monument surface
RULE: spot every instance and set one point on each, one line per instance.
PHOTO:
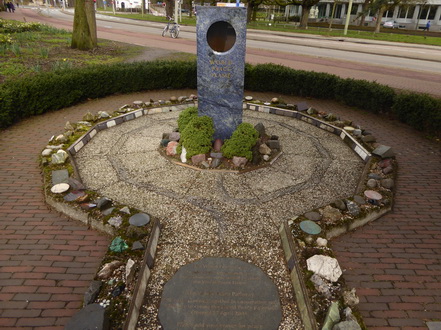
(220, 293)
(221, 40)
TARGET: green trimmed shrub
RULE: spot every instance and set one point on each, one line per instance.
(242, 140)
(365, 95)
(186, 116)
(197, 136)
(420, 111)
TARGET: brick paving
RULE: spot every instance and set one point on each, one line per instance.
(48, 260)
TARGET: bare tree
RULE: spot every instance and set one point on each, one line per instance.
(84, 35)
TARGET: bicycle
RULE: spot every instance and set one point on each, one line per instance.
(173, 29)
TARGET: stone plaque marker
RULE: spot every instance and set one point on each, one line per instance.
(220, 293)
(221, 38)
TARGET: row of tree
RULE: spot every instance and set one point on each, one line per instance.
(84, 35)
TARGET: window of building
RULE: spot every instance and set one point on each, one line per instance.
(406, 12)
(321, 10)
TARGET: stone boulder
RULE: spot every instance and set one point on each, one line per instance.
(324, 266)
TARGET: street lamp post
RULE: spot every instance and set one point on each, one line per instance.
(348, 17)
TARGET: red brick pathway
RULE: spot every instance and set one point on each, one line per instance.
(47, 260)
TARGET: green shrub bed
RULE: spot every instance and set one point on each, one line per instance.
(52, 91)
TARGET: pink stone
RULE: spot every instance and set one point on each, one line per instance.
(198, 159)
(239, 161)
(371, 194)
(217, 145)
(171, 148)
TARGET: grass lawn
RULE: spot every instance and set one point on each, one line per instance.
(30, 48)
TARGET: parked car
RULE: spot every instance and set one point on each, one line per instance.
(391, 24)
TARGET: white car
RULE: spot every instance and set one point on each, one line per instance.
(391, 24)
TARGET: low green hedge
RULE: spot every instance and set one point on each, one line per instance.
(56, 90)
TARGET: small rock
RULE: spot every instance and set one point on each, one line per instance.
(108, 211)
(357, 132)
(103, 203)
(130, 270)
(248, 98)
(239, 161)
(264, 149)
(332, 316)
(385, 163)
(55, 147)
(75, 195)
(171, 148)
(60, 176)
(359, 200)
(387, 183)
(347, 312)
(350, 298)
(384, 151)
(313, 216)
(61, 138)
(75, 184)
(138, 104)
(374, 176)
(321, 286)
(257, 157)
(321, 242)
(266, 158)
(125, 210)
(340, 204)
(89, 117)
(108, 269)
(331, 214)
(198, 159)
(68, 126)
(183, 155)
(368, 138)
(46, 152)
(92, 292)
(324, 266)
(118, 290)
(371, 183)
(137, 245)
(274, 100)
(216, 155)
(311, 111)
(205, 164)
(353, 208)
(388, 170)
(260, 128)
(60, 188)
(59, 157)
(115, 221)
(215, 163)
(164, 142)
(87, 206)
(182, 99)
(118, 245)
(103, 115)
(331, 117)
(347, 325)
(273, 144)
(174, 136)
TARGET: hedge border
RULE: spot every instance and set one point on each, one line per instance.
(53, 91)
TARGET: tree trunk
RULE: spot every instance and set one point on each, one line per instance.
(250, 10)
(170, 8)
(84, 35)
(305, 16)
(380, 15)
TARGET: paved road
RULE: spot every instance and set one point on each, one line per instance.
(406, 67)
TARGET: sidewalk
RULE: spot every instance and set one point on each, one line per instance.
(47, 260)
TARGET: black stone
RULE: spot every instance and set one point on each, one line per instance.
(75, 184)
(118, 290)
(374, 176)
(108, 211)
(92, 292)
(103, 203)
(260, 128)
(164, 142)
(220, 293)
(273, 144)
(74, 195)
(274, 137)
(92, 316)
(257, 156)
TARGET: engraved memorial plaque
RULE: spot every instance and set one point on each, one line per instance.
(221, 39)
(220, 293)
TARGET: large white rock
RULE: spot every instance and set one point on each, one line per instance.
(324, 266)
